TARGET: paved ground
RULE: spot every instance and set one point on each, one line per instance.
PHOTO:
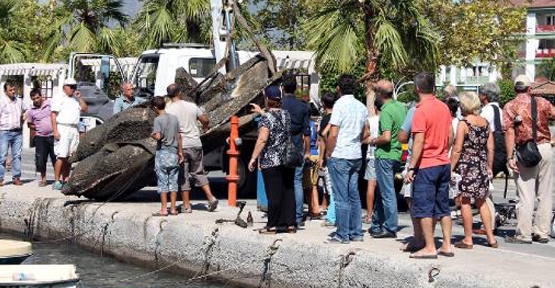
(219, 187)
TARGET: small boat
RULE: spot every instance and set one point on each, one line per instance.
(54, 276)
(14, 252)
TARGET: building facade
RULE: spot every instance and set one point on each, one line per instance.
(540, 36)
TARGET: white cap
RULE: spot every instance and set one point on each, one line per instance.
(522, 80)
(70, 82)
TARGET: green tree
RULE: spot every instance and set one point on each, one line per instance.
(547, 69)
(507, 91)
(84, 26)
(162, 21)
(485, 30)
(12, 49)
(281, 21)
(392, 34)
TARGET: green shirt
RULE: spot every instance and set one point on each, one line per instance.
(392, 117)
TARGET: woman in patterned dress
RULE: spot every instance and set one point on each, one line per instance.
(472, 159)
(273, 134)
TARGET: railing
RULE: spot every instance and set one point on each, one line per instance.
(545, 53)
(545, 28)
(477, 80)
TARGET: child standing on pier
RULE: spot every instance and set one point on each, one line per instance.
(168, 155)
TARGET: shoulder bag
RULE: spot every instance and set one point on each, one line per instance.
(292, 158)
(500, 151)
(527, 153)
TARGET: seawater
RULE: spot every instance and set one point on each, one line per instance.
(103, 271)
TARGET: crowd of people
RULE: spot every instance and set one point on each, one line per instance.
(455, 146)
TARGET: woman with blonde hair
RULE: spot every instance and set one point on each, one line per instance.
(472, 159)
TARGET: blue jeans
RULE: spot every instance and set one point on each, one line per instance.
(385, 207)
(299, 194)
(13, 139)
(344, 180)
(298, 182)
(330, 216)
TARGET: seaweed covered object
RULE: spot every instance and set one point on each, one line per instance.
(116, 158)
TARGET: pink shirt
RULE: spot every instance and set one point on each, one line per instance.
(432, 117)
(10, 113)
(40, 117)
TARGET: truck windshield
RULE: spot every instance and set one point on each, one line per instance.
(201, 67)
(144, 77)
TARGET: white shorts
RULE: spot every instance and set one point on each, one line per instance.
(67, 144)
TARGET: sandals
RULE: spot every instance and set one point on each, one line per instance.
(462, 245)
(43, 184)
(158, 214)
(494, 245)
(445, 254)
(267, 231)
(431, 256)
(366, 219)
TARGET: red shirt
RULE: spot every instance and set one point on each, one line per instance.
(522, 106)
(432, 117)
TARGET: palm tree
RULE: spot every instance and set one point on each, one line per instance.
(390, 34)
(82, 25)
(11, 48)
(161, 21)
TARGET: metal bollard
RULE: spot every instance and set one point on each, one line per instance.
(233, 153)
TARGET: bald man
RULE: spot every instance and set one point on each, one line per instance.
(127, 99)
(387, 156)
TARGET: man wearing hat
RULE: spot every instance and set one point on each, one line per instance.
(189, 114)
(388, 155)
(66, 111)
(127, 99)
(526, 120)
(11, 137)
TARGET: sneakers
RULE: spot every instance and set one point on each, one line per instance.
(58, 185)
(212, 205)
(182, 209)
(517, 240)
(539, 239)
(336, 240)
(357, 239)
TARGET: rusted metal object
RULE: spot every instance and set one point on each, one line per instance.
(117, 158)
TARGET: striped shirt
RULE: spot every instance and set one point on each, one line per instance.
(10, 113)
(349, 115)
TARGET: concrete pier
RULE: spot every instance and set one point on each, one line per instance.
(193, 242)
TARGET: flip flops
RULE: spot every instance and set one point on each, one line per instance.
(462, 245)
(414, 256)
(445, 254)
(158, 214)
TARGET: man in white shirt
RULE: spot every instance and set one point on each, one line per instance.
(189, 114)
(66, 111)
(492, 112)
(489, 96)
(11, 110)
(348, 129)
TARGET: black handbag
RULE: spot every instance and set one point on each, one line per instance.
(292, 158)
(528, 153)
